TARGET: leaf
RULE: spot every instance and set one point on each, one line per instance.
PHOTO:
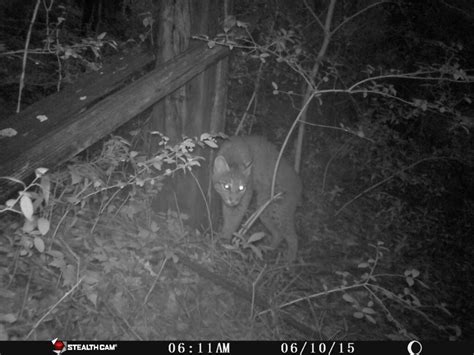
(92, 296)
(39, 244)
(358, 315)
(363, 265)
(211, 144)
(91, 278)
(275, 86)
(370, 319)
(69, 275)
(416, 301)
(75, 177)
(102, 35)
(257, 251)
(26, 207)
(8, 318)
(10, 203)
(368, 310)
(229, 22)
(43, 225)
(410, 281)
(256, 237)
(154, 227)
(58, 262)
(8, 132)
(204, 136)
(348, 298)
(242, 24)
(29, 226)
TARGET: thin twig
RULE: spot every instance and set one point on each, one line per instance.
(27, 292)
(388, 179)
(311, 87)
(350, 18)
(206, 203)
(181, 224)
(25, 54)
(280, 154)
(315, 295)
(254, 288)
(323, 185)
(313, 14)
(251, 220)
(145, 301)
(53, 307)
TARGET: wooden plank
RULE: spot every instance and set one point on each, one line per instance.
(80, 130)
(73, 99)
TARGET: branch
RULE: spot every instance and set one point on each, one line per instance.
(314, 15)
(27, 43)
(410, 76)
(295, 122)
(388, 179)
(54, 307)
(350, 18)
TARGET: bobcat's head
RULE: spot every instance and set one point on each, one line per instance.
(230, 182)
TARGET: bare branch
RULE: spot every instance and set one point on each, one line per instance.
(350, 18)
(388, 179)
(27, 43)
(314, 15)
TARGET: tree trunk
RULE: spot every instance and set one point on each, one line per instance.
(195, 108)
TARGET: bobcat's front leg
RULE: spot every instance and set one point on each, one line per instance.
(233, 215)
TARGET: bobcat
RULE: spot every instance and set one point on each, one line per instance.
(245, 165)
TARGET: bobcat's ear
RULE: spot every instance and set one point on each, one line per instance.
(248, 169)
(220, 165)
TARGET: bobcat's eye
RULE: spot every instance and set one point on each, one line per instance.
(226, 186)
(241, 188)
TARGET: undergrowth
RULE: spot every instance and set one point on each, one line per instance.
(85, 257)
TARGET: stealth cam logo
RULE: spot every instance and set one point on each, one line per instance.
(59, 346)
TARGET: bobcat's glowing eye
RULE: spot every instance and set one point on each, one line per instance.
(226, 186)
(241, 188)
